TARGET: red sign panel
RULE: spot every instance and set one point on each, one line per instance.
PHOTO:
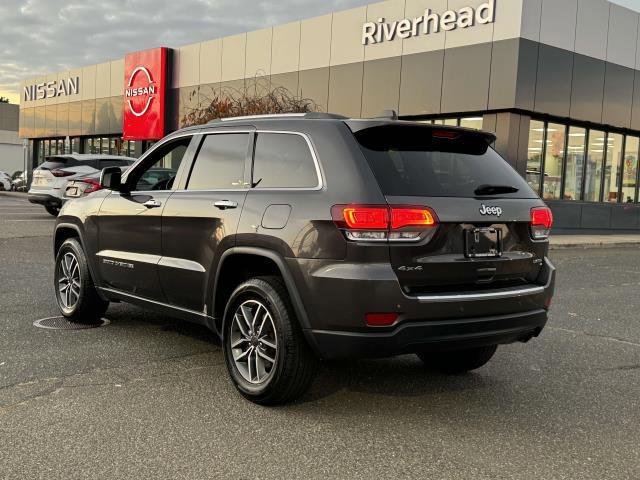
(145, 78)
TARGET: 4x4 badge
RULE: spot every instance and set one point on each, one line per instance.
(487, 210)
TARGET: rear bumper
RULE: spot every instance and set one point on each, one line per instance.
(337, 328)
(44, 199)
(431, 336)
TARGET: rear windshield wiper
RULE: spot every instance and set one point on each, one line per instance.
(494, 190)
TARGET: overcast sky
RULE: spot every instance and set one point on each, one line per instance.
(46, 36)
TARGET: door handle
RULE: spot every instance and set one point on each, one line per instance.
(152, 203)
(224, 204)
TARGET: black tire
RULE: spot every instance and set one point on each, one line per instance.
(89, 307)
(458, 361)
(295, 366)
(52, 210)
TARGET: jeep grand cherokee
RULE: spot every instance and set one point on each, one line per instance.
(312, 236)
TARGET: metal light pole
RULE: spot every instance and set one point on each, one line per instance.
(25, 154)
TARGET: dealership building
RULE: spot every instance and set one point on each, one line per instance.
(558, 81)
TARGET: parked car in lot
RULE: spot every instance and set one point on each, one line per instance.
(50, 179)
(90, 183)
(5, 181)
(313, 236)
(19, 182)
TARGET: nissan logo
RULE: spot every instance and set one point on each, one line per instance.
(488, 210)
(149, 91)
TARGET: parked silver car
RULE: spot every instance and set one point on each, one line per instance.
(51, 178)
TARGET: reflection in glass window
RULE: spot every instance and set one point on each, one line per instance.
(594, 170)
(534, 154)
(554, 155)
(612, 170)
(451, 121)
(630, 169)
(471, 122)
(575, 163)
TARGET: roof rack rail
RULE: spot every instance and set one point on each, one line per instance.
(387, 115)
(309, 115)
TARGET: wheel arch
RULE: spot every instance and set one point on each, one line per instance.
(65, 231)
(270, 263)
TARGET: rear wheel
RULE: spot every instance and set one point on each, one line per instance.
(76, 294)
(52, 210)
(458, 361)
(265, 351)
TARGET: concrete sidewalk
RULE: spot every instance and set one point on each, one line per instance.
(559, 242)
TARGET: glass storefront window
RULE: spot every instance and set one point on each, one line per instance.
(554, 156)
(595, 162)
(46, 151)
(104, 146)
(75, 145)
(534, 154)
(471, 122)
(630, 169)
(613, 168)
(575, 163)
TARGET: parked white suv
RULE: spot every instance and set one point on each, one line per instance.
(50, 179)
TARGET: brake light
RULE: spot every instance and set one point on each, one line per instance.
(541, 222)
(448, 134)
(92, 185)
(376, 223)
(60, 173)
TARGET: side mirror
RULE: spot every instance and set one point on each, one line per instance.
(111, 178)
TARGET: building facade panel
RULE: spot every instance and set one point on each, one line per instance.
(424, 43)
(285, 48)
(345, 89)
(381, 86)
(103, 80)
(62, 120)
(503, 83)
(553, 86)
(117, 78)
(461, 64)
(187, 66)
(346, 35)
(391, 10)
(421, 83)
(315, 42)
(233, 57)
(622, 40)
(314, 84)
(480, 33)
(618, 90)
(587, 88)
(558, 23)
(527, 74)
(592, 28)
(258, 54)
(211, 61)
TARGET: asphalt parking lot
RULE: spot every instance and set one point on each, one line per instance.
(148, 397)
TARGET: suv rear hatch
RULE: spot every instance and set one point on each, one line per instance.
(482, 208)
(45, 176)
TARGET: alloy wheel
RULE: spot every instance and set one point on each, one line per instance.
(69, 281)
(254, 343)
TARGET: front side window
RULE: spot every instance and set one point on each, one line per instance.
(283, 160)
(161, 167)
(595, 163)
(219, 164)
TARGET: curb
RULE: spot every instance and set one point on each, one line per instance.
(566, 246)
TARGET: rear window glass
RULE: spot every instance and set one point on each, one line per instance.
(53, 163)
(410, 161)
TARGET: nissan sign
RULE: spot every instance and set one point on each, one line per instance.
(144, 94)
(52, 89)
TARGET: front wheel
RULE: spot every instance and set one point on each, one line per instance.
(458, 361)
(52, 210)
(77, 297)
(265, 351)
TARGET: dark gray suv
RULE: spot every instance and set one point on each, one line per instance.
(312, 236)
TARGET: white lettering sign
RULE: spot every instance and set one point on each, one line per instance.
(51, 89)
(430, 22)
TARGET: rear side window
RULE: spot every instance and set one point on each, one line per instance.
(283, 160)
(220, 162)
(411, 161)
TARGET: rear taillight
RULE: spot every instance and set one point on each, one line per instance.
(60, 173)
(92, 185)
(377, 223)
(381, 319)
(541, 222)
